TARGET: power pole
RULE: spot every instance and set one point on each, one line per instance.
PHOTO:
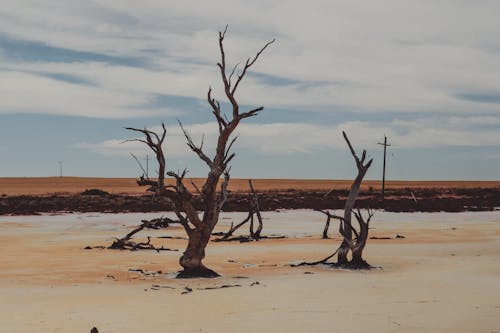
(385, 144)
(147, 166)
(60, 168)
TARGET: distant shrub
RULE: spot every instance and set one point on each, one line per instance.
(95, 191)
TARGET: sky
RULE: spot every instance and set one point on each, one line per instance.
(423, 73)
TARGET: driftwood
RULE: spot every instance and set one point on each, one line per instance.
(126, 243)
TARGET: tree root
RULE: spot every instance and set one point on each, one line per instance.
(199, 272)
(245, 239)
(352, 265)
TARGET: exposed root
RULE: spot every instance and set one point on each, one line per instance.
(349, 265)
(199, 272)
(245, 239)
(224, 286)
(353, 264)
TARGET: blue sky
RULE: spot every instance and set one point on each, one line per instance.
(73, 74)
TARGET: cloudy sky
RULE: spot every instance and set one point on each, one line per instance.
(424, 73)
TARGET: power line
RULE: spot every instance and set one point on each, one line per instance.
(385, 144)
(60, 168)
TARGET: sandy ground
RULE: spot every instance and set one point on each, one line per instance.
(443, 277)
(62, 185)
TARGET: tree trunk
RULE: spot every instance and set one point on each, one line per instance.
(192, 259)
(347, 224)
(160, 157)
(357, 261)
(342, 254)
(357, 258)
(327, 225)
(357, 250)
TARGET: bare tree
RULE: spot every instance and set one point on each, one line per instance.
(346, 228)
(253, 210)
(154, 141)
(199, 228)
(357, 243)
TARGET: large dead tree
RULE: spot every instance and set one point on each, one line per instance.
(199, 225)
(353, 240)
(154, 141)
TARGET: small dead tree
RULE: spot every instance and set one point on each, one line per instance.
(199, 228)
(355, 244)
(154, 141)
(346, 228)
(253, 210)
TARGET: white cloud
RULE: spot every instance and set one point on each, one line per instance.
(292, 138)
(399, 56)
(23, 92)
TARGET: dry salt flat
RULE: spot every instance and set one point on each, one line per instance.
(444, 276)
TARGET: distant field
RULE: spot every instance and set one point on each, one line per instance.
(60, 185)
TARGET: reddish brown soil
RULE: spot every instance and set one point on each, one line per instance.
(74, 185)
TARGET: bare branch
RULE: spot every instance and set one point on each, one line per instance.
(195, 148)
(251, 113)
(138, 140)
(184, 222)
(232, 73)
(164, 133)
(195, 186)
(223, 189)
(352, 150)
(327, 213)
(228, 88)
(249, 64)
(140, 164)
(228, 157)
(216, 110)
(156, 146)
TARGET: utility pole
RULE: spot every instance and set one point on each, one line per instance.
(147, 166)
(60, 168)
(385, 144)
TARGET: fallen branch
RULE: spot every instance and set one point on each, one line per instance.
(125, 243)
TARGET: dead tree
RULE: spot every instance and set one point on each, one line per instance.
(154, 142)
(327, 225)
(355, 244)
(255, 207)
(346, 229)
(199, 228)
(253, 210)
